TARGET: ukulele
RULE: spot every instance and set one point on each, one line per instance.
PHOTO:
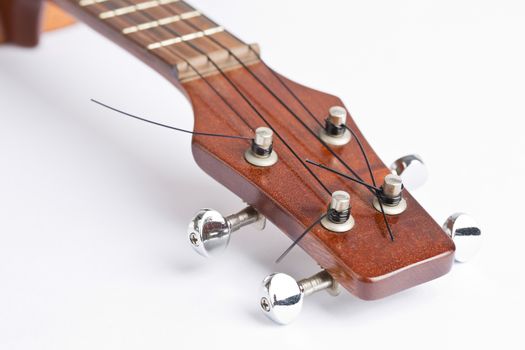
(293, 154)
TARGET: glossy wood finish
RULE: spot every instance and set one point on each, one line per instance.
(21, 25)
(21, 21)
(159, 28)
(365, 261)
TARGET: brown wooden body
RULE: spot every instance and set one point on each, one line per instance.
(365, 261)
(20, 21)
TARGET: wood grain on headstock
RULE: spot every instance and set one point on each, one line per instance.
(365, 261)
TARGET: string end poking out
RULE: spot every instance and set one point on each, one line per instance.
(308, 229)
(168, 126)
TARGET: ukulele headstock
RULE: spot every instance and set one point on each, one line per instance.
(292, 153)
(363, 258)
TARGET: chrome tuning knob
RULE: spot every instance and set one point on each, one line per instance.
(412, 170)
(282, 296)
(209, 231)
(466, 235)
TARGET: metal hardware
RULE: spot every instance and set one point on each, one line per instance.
(186, 37)
(335, 132)
(209, 231)
(282, 297)
(161, 22)
(261, 153)
(133, 8)
(339, 218)
(391, 196)
(412, 170)
(466, 234)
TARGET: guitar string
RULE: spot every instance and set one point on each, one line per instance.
(145, 14)
(319, 165)
(389, 229)
(247, 100)
(168, 126)
(187, 21)
(324, 167)
(377, 193)
(173, 32)
(317, 221)
(109, 5)
(308, 229)
(289, 109)
(244, 66)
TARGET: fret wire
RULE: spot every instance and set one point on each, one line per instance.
(299, 119)
(176, 54)
(84, 3)
(258, 79)
(311, 114)
(238, 114)
(246, 99)
(161, 22)
(275, 96)
(199, 74)
(134, 8)
(387, 224)
(187, 37)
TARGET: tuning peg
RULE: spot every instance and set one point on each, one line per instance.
(412, 170)
(209, 231)
(466, 234)
(282, 296)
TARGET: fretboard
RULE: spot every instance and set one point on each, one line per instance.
(167, 34)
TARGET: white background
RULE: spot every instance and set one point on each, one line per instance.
(94, 207)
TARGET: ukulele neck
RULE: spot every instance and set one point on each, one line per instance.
(171, 36)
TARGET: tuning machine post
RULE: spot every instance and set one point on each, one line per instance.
(209, 231)
(282, 296)
(335, 132)
(407, 172)
(460, 227)
(338, 218)
(261, 152)
(391, 196)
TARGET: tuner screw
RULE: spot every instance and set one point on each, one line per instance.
(261, 152)
(338, 218)
(412, 170)
(391, 196)
(282, 297)
(466, 235)
(335, 132)
(209, 231)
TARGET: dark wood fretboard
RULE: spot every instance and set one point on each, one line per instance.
(170, 35)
